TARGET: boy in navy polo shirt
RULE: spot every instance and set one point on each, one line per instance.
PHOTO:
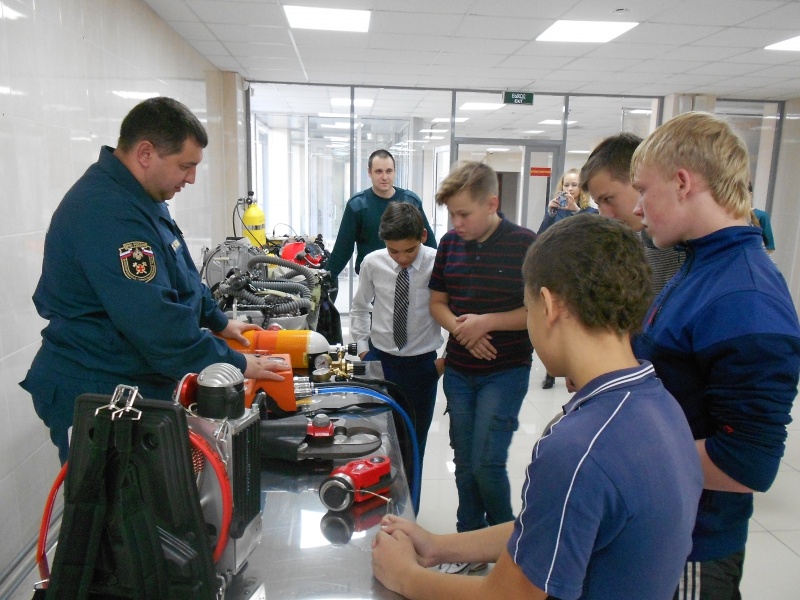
(611, 493)
(477, 294)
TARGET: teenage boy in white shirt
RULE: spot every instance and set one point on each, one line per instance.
(402, 334)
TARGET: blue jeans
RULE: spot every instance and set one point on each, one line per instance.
(483, 418)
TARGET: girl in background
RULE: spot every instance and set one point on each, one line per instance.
(578, 201)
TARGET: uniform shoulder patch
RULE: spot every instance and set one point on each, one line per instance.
(138, 261)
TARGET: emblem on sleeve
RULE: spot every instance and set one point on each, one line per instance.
(138, 261)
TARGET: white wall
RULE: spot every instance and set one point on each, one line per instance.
(60, 62)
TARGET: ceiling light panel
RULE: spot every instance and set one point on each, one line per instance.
(328, 19)
(792, 44)
(585, 31)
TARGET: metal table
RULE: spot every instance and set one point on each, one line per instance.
(307, 552)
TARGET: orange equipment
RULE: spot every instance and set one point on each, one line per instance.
(281, 392)
(302, 346)
(298, 348)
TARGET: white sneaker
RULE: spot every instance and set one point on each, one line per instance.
(456, 568)
(453, 568)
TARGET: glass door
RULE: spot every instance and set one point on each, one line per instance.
(526, 172)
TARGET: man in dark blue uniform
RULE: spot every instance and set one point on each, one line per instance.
(123, 298)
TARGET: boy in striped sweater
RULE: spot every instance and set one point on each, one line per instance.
(477, 295)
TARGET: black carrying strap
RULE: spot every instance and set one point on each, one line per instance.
(109, 500)
(132, 520)
(85, 510)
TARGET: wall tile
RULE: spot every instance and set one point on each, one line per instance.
(10, 531)
(27, 433)
(7, 462)
(61, 67)
(102, 128)
(21, 41)
(9, 179)
(18, 321)
(110, 23)
(71, 15)
(35, 202)
(35, 477)
(5, 72)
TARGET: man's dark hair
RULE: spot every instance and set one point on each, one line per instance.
(613, 155)
(379, 154)
(164, 122)
(597, 266)
(401, 221)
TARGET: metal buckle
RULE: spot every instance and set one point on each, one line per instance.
(119, 396)
(121, 403)
(223, 584)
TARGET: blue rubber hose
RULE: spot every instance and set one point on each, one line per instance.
(416, 484)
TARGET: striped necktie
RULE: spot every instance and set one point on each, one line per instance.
(399, 323)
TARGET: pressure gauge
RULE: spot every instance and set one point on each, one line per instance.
(321, 375)
(322, 361)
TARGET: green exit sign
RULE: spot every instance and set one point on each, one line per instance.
(518, 98)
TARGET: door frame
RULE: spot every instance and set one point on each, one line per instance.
(556, 147)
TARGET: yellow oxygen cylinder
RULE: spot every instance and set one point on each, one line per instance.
(255, 225)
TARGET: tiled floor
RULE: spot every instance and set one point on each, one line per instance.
(772, 563)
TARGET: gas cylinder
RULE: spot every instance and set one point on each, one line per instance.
(254, 225)
(302, 345)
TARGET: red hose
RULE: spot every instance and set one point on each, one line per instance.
(224, 485)
(41, 548)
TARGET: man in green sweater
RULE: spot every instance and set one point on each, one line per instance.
(362, 215)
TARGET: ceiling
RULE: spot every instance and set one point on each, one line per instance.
(591, 118)
(417, 51)
(688, 47)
